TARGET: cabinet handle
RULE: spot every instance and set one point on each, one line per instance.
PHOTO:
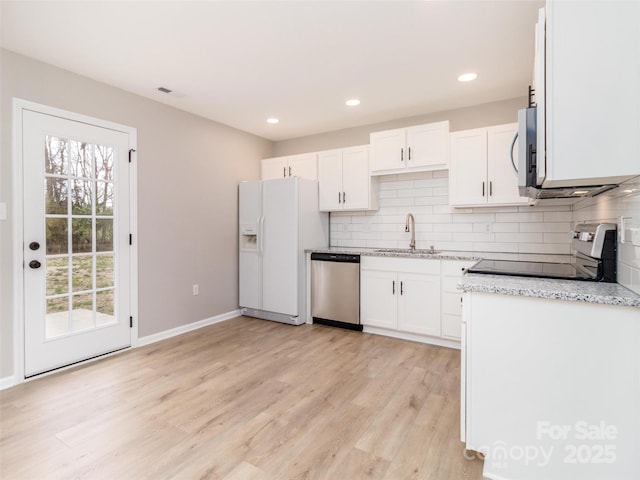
(393, 287)
(402, 154)
(284, 171)
(483, 189)
(289, 171)
(344, 197)
(490, 188)
(409, 153)
(401, 291)
(339, 198)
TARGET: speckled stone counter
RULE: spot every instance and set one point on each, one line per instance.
(441, 255)
(571, 290)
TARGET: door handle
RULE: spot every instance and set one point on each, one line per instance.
(34, 264)
(339, 201)
(402, 154)
(490, 188)
(344, 197)
(409, 153)
(393, 288)
(483, 189)
(34, 246)
(289, 171)
(284, 171)
(401, 290)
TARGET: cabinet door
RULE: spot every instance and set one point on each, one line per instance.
(428, 145)
(419, 303)
(388, 150)
(330, 180)
(378, 298)
(356, 182)
(468, 168)
(305, 166)
(503, 180)
(274, 168)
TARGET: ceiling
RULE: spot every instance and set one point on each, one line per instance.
(239, 62)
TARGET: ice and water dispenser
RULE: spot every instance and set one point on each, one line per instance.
(249, 237)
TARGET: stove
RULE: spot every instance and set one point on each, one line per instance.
(593, 258)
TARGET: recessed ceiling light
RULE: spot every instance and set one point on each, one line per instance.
(272, 120)
(467, 77)
(352, 102)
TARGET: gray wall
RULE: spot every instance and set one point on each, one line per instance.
(494, 113)
(188, 171)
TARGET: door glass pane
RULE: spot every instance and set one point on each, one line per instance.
(55, 195)
(57, 275)
(81, 197)
(81, 235)
(82, 272)
(56, 155)
(57, 321)
(104, 163)
(104, 271)
(79, 187)
(104, 235)
(82, 315)
(57, 236)
(104, 308)
(104, 198)
(80, 159)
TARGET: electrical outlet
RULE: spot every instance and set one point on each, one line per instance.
(196, 289)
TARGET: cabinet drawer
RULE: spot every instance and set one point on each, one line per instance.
(452, 303)
(454, 267)
(451, 326)
(408, 265)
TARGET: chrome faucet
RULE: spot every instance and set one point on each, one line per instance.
(411, 227)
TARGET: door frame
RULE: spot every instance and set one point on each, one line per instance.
(19, 106)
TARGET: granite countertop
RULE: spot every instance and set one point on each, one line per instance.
(571, 290)
(441, 255)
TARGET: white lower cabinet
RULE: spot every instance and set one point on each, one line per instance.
(452, 271)
(400, 294)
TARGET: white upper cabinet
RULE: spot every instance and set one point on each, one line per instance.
(592, 92)
(480, 171)
(414, 149)
(305, 166)
(344, 180)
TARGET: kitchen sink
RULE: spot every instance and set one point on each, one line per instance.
(408, 250)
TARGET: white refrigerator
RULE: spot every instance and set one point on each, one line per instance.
(278, 219)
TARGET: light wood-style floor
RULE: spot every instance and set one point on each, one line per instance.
(244, 399)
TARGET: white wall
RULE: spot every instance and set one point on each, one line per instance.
(188, 171)
(511, 229)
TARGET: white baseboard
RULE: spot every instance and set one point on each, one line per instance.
(156, 337)
(7, 382)
(441, 342)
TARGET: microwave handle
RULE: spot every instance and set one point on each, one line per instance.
(513, 144)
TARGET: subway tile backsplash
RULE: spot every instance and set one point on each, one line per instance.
(494, 229)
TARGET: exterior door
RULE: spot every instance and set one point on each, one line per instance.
(76, 241)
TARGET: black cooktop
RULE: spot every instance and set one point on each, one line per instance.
(531, 269)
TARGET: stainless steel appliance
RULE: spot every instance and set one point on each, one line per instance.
(335, 290)
(594, 258)
(531, 162)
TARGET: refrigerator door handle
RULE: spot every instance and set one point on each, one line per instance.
(261, 235)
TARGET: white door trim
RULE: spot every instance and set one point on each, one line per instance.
(19, 105)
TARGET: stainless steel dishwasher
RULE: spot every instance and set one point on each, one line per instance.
(335, 290)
